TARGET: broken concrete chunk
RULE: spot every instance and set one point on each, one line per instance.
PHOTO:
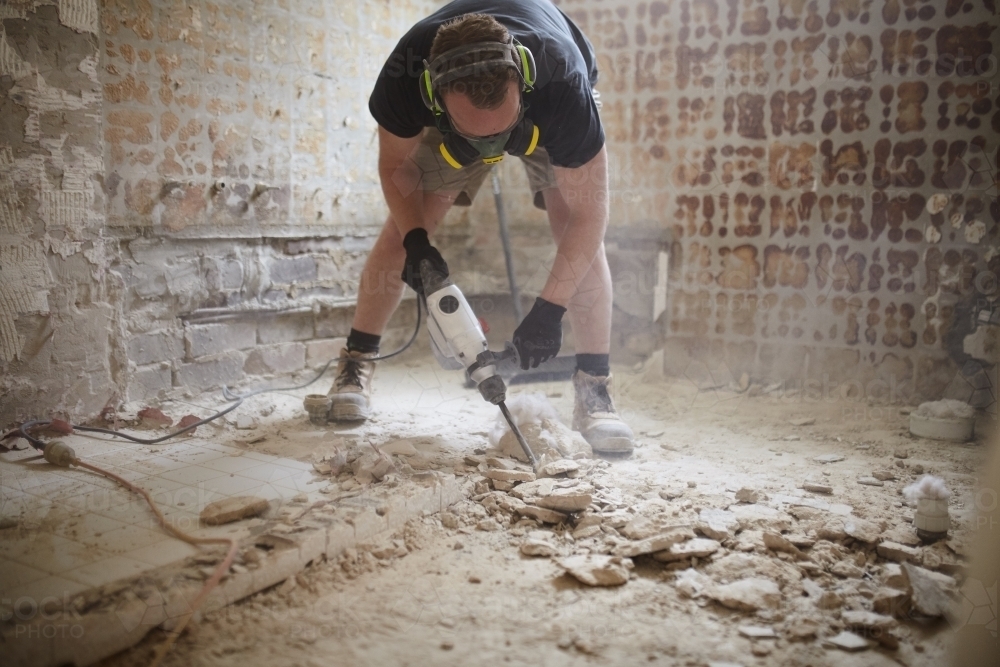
(802, 421)
(891, 601)
(245, 422)
(400, 447)
(558, 467)
(776, 542)
(748, 594)
(691, 583)
(861, 529)
(847, 570)
(528, 491)
(870, 481)
(716, 524)
(587, 531)
(828, 458)
(698, 547)
(848, 641)
(542, 514)
(884, 475)
(641, 527)
(660, 542)
(537, 544)
(930, 592)
(898, 552)
(596, 569)
(816, 487)
(874, 626)
(574, 499)
(757, 631)
(232, 509)
(761, 516)
(509, 475)
(748, 495)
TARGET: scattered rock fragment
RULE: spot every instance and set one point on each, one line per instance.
(870, 481)
(776, 542)
(509, 475)
(698, 547)
(716, 524)
(757, 631)
(660, 542)
(899, 553)
(748, 495)
(596, 569)
(901, 453)
(573, 499)
(874, 626)
(232, 509)
(400, 447)
(862, 530)
(761, 516)
(828, 458)
(691, 583)
(891, 601)
(748, 594)
(847, 570)
(816, 487)
(884, 475)
(154, 418)
(802, 421)
(558, 467)
(542, 514)
(848, 641)
(538, 546)
(245, 422)
(930, 592)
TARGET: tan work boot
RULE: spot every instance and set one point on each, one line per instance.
(595, 417)
(351, 392)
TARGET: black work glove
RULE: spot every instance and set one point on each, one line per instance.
(418, 248)
(539, 335)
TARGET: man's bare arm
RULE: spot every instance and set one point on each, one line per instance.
(400, 178)
(585, 191)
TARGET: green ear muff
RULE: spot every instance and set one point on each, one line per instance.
(527, 65)
(427, 93)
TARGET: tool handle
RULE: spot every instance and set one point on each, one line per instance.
(432, 279)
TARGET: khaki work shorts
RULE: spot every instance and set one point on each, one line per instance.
(439, 176)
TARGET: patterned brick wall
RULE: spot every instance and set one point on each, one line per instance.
(828, 170)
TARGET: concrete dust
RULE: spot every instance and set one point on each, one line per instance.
(722, 539)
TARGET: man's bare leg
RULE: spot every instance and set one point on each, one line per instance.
(381, 284)
(589, 310)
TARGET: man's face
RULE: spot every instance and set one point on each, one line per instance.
(470, 121)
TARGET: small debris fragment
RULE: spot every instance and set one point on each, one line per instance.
(716, 524)
(153, 417)
(815, 487)
(596, 569)
(828, 458)
(899, 553)
(929, 591)
(186, 421)
(748, 495)
(542, 514)
(447, 645)
(574, 499)
(901, 453)
(699, 547)
(861, 529)
(245, 422)
(232, 509)
(660, 542)
(748, 594)
(848, 641)
(509, 475)
(802, 421)
(884, 475)
(757, 631)
(891, 601)
(400, 447)
(870, 481)
(875, 626)
(558, 467)
(538, 547)
(775, 542)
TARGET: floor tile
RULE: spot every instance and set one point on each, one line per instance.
(269, 472)
(192, 474)
(48, 588)
(106, 571)
(130, 538)
(155, 465)
(50, 553)
(231, 463)
(14, 575)
(163, 553)
(87, 529)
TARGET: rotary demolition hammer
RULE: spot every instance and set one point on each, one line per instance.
(458, 342)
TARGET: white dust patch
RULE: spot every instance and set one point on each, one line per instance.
(927, 486)
(945, 409)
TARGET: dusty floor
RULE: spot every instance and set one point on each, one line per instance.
(465, 594)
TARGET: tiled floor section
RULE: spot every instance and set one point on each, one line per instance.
(68, 529)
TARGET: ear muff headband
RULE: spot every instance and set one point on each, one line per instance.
(438, 71)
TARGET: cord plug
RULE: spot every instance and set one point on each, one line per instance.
(59, 453)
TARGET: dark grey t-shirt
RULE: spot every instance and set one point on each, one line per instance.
(561, 104)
